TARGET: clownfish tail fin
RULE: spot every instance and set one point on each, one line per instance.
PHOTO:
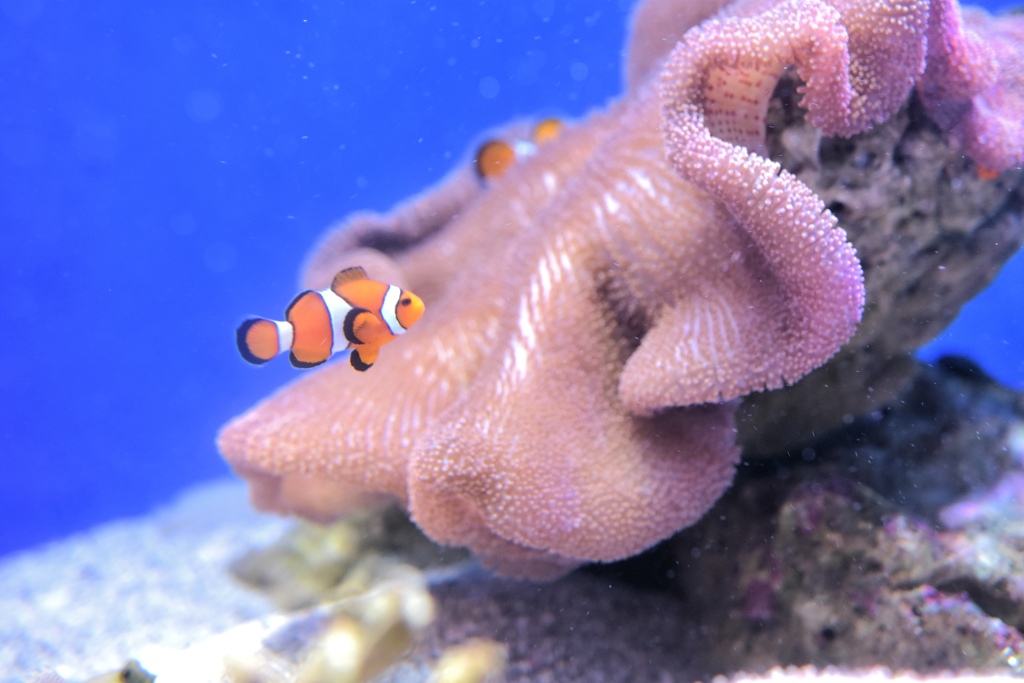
(348, 275)
(259, 339)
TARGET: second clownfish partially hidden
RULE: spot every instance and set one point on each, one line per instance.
(494, 157)
(355, 314)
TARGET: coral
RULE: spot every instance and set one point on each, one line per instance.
(350, 641)
(974, 83)
(312, 565)
(597, 311)
(478, 660)
(941, 232)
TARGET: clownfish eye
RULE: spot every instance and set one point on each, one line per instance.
(406, 301)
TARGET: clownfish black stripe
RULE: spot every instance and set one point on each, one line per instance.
(348, 328)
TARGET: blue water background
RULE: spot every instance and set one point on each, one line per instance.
(165, 168)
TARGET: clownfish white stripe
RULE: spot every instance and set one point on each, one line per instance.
(389, 310)
(285, 335)
(337, 308)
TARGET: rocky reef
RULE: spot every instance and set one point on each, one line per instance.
(893, 541)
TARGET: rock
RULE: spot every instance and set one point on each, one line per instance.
(839, 555)
(930, 233)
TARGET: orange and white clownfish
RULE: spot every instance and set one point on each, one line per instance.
(355, 314)
(494, 157)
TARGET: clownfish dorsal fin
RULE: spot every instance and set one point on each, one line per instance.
(348, 275)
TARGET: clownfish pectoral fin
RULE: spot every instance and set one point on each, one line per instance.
(357, 322)
(363, 358)
(348, 275)
(259, 339)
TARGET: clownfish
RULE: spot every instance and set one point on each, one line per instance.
(355, 314)
(495, 157)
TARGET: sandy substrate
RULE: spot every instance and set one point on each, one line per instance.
(133, 588)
